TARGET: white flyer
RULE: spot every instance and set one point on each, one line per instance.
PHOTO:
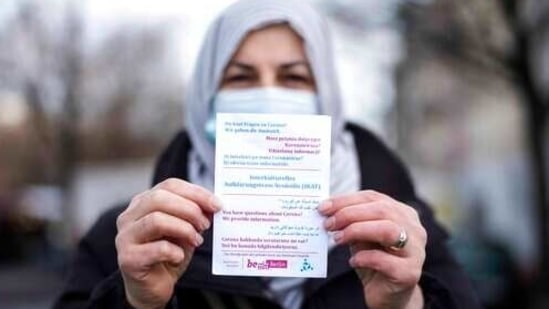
(271, 173)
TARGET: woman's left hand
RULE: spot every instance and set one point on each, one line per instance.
(371, 223)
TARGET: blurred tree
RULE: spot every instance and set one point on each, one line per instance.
(71, 78)
(43, 55)
(132, 93)
(32, 44)
(471, 101)
(530, 20)
(110, 99)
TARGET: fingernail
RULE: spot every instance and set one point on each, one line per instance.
(329, 223)
(216, 203)
(205, 224)
(338, 237)
(324, 206)
(352, 261)
(199, 240)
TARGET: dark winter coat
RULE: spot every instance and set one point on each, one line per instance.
(94, 280)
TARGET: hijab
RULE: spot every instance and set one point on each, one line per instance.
(223, 39)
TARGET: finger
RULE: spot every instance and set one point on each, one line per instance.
(204, 198)
(124, 218)
(165, 201)
(137, 198)
(382, 232)
(142, 256)
(336, 203)
(378, 210)
(159, 225)
(398, 270)
(411, 212)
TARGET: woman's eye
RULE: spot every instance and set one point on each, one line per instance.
(237, 78)
(297, 79)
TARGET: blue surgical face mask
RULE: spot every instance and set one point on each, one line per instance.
(261, 101)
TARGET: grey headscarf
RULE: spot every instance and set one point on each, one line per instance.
(222, 40)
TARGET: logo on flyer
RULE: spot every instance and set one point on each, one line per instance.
(306, 266)
(267, 264)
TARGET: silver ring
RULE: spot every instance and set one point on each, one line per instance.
(401, 241)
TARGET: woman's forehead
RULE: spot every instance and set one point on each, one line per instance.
(275, 43)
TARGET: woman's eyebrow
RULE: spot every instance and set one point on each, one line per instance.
(295, 63)
(241, 65)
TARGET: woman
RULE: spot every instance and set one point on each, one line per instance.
(268, 56)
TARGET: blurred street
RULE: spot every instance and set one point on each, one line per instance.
(28, 286)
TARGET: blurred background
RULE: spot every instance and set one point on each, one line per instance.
(91, 90)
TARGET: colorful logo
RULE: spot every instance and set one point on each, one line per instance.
(267, 264)
(306, 266)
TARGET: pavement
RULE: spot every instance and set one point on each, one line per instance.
(28, 286)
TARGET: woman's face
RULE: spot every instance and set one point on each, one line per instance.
(270, 57)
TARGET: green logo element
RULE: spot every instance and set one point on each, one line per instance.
(306, 266)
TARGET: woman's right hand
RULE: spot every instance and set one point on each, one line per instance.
(157, 235)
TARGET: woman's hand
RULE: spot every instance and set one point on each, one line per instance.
(157, 235)
(371, 224)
